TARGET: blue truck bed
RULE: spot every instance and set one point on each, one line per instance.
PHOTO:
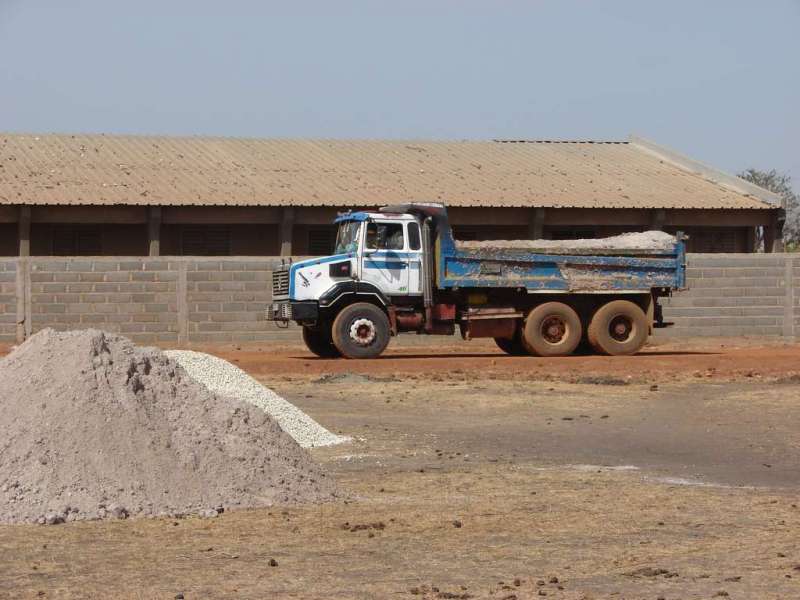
(562, 271)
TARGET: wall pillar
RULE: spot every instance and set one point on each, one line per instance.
(183, 302)
(287, 225)
(536, 224)
(789, 327)
(154, 230)
(24, 236)
(22, 267)
(657, 219)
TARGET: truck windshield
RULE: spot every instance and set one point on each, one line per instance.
(347, 237)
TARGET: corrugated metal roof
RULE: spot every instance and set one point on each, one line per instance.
(139, 170)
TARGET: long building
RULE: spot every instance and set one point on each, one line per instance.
(111, 195)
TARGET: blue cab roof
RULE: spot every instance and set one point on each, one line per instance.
(356, 216)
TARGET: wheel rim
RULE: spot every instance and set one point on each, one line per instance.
(620, 328)
(362, 332)
(553, 329)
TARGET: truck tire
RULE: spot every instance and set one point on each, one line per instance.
(552, 329)
(512, 346)
(361, 330)
(617, 328)
(319, 342)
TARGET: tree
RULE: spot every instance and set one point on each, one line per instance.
(781, 184)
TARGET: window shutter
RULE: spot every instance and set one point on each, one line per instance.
(77, 240)
(206, 240)
(321, 241)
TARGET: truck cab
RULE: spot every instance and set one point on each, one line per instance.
(400, 270)
(387, 249)
(377, 259)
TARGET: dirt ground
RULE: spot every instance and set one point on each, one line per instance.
(714, 358)
(672, 474)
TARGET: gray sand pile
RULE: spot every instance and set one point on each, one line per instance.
(92, 426)
(645, 240)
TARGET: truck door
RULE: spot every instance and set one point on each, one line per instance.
(384, 262)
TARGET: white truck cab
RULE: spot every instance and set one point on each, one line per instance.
(378, 256)
(374, 248)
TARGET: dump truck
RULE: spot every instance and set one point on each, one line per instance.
(400, 270)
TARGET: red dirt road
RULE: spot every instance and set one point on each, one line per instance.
(667, 361)
(725, 359)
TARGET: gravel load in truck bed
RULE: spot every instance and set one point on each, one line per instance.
(92, 426)
(226, 379)
(646, 240)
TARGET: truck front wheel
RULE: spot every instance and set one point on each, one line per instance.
(552, 329)
(318, 341)
(618, 327)
(361, 330)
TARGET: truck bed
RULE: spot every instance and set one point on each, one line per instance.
(629, 263)
(645, 242)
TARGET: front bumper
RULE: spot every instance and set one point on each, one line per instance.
(302, 312)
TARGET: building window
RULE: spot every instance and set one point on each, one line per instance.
(205, 240)
(77, 240)
(466, 234)
(321, 241)
(717, 240)
(572, 234)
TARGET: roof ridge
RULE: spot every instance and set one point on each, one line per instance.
(203, 136)
(587, 141)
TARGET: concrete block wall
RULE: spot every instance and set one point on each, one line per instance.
(226, 299)
(737, 294)
(132, 296)
(150, 300)
(193, 299)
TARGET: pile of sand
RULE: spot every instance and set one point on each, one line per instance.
(92, 426)
(645, 240)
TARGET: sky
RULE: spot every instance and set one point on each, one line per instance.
(716, 80)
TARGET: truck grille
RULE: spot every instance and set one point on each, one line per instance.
(280, 282)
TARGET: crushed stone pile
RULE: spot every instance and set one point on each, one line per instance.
(92, 426)
(226, 379)
(646, 240)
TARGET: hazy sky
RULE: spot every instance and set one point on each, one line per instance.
(717, 80)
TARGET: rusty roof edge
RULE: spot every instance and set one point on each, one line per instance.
(731, 182)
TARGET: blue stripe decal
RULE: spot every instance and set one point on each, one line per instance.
(382, 264)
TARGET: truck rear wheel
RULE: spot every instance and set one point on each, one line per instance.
(617, 328)
(319, 342)
(512, 346)
(361, 330)
(552, 329)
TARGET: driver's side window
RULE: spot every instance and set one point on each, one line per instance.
(385, 236)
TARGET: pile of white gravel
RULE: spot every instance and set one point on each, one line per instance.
(645, 240)
(226, 379)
